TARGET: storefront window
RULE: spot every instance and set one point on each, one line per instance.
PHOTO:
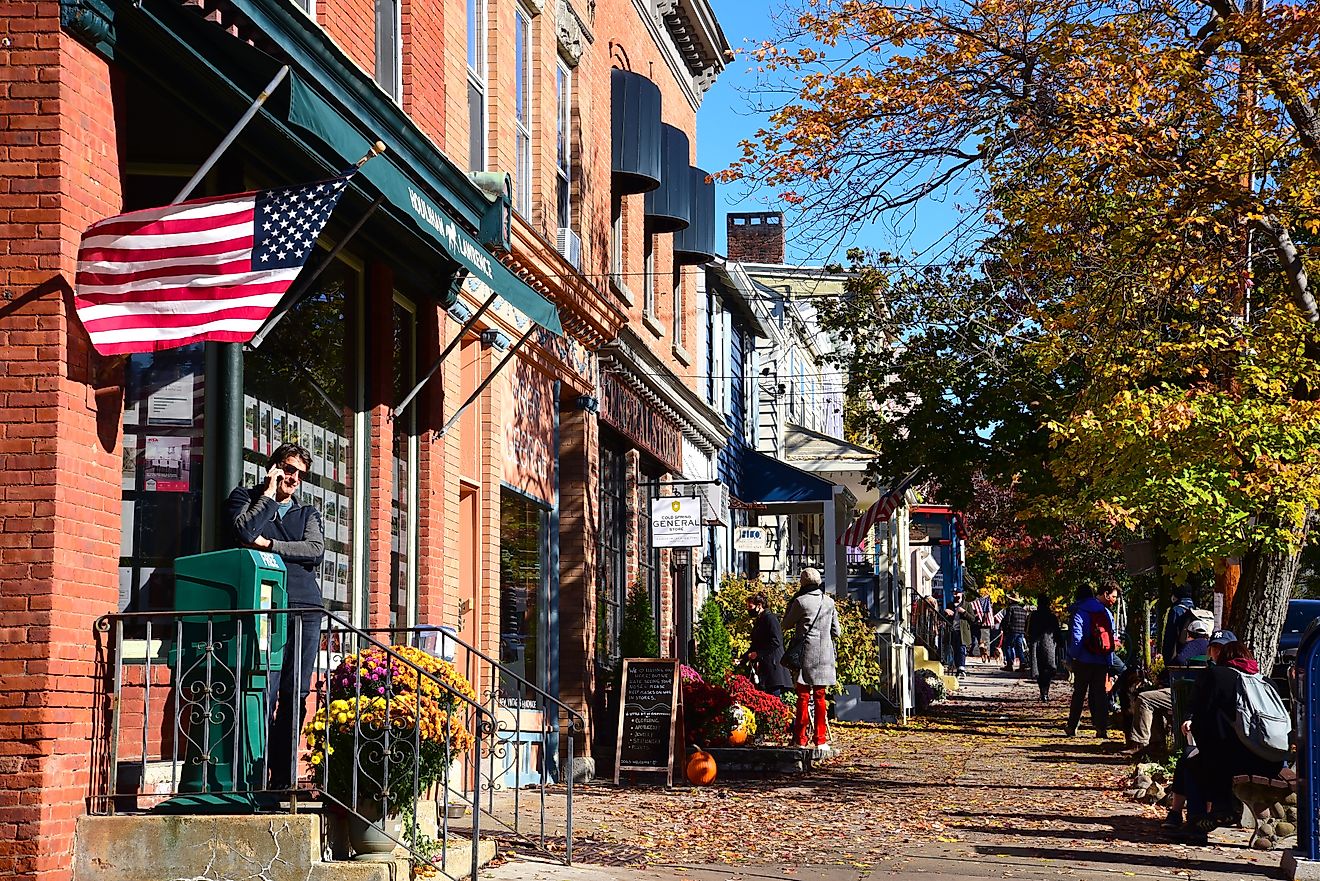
(648, 557)
(162, 473)
(403, 527)
(522, 590)
(612, 583)
(303, 385)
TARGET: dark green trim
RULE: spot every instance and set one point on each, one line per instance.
(92, 22)
(317, 57)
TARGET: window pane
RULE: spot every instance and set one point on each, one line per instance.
(475, 22)
(387, 46)
(564, 146)
(162, 473)
(402, 556)
(476, 127)
(520, 99)
(610, 584)
(301, 386)
(522, 574)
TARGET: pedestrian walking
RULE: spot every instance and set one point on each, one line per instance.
(1013, 626)
(1043, 637)
(983, 615)
(1091, 645)
(960, 631)
(813, 618)
(766, 650)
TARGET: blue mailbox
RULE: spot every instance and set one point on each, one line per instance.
(1307, 725)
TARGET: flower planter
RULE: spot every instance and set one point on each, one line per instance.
(372, 836)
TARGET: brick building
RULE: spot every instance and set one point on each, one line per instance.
(520, 519)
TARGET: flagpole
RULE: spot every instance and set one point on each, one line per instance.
(232, 136)
(303, 284)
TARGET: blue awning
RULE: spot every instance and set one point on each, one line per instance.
(768, 481)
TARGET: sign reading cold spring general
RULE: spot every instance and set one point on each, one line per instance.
(676, 522)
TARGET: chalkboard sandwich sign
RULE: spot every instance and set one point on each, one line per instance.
(648, 717)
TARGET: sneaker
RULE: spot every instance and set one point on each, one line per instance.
(1174, 820)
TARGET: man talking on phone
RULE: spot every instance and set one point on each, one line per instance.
(268, 517)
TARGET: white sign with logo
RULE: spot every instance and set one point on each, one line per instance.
(750, 539)
(676, 523)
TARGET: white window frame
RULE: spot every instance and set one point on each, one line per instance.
(394, 88)
(564, 142)
(648, 277)
(679, 279)
(477, 76)
(522, 121)
(616, 241)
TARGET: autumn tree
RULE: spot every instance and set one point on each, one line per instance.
(1143, 173)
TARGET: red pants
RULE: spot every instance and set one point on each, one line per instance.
(806, 697)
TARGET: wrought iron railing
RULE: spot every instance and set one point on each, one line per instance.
(185, 722)
(525, 782)
(930, 627)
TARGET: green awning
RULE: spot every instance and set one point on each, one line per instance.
(310, 111)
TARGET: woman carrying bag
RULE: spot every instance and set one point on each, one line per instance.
(765, 655)
(810, 654)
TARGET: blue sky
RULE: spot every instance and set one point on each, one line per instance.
(726, 117)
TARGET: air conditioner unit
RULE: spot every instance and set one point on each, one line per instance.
(570, 246)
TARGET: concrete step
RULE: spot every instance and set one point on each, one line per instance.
(272, 847)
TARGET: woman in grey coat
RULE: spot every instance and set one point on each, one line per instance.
(813, 611)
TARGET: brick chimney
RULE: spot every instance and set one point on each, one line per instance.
(756, 237)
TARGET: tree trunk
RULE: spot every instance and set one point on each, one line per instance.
(1262, 600)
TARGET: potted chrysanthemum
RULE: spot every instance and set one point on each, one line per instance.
(386, 735)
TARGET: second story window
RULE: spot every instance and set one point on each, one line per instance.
(616, 241)
(678, 305)
(522, 108)
(564, 145)
(476, 90)
(648, 277)
(389, 48)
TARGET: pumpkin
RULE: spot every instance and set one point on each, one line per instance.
(737, 737)
(701, 768)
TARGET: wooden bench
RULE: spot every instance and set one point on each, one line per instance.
(1272, 802)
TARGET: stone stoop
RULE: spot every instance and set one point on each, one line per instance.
(742, 762)
(272, 847)
(922, 661)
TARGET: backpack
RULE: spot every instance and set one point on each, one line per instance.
(1185, 623)
(1261, 721)
(1099, 636)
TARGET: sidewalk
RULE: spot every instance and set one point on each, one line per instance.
(986, 787)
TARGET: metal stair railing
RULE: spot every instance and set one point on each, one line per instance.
(525, 785)
(184, 709)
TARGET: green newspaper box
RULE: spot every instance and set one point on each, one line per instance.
(222, 666)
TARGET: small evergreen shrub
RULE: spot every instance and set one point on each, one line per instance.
(714, 658)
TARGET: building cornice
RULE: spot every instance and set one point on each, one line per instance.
(704, 52)
(627, 357)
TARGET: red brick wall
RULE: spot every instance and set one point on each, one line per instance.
(58, 436)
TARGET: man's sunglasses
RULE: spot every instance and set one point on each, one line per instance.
(293, 471)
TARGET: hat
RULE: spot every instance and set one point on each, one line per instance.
(1222, 637)
(1198, 628)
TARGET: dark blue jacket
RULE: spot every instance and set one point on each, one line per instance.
(297, 537)
(1172, 624)
(1081, 617)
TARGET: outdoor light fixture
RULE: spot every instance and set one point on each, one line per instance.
(706, 571)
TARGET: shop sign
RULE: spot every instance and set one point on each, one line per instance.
(622, 409)
(676, 522)
(750, 539)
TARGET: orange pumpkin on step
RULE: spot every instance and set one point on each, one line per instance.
(701, 768)
(737, 737)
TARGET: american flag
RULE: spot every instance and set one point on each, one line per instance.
(208, 269)
(857, 534)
